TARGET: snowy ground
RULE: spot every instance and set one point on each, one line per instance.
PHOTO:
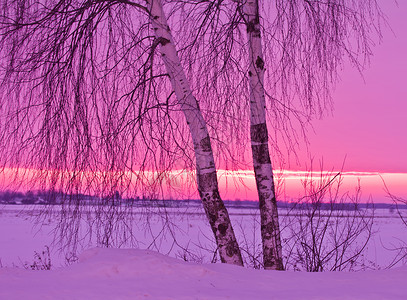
(145, 274)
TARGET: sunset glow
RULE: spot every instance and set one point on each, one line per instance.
(240, 185)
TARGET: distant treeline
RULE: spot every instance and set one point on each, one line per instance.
(29, 197)
(45, 197)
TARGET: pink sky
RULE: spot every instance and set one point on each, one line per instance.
(368, 125)
(369, 122)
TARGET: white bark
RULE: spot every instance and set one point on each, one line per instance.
(270, 231)
(205, 166)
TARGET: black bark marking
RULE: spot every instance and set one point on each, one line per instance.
(268, 229)
(269, 259)
(210, 209)
(232, 250)
(261, 154)
(205, 144)
(262, 201)
(250, 74)
(207, 182)
(259, 181)
(163, 41)
(155, 17)
(258, 133)
(212, 217)
(215, 194)
(259, 63)
(222, 228)
(252, 26)
(273, 200)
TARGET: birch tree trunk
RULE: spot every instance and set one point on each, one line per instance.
(270, 230)
(205, 165)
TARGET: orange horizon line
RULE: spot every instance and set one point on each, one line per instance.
(227, 171)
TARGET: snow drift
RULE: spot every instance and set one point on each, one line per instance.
(143, 274)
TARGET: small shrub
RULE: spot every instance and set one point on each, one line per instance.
(42, 261)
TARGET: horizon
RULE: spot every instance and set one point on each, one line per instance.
(240, 185)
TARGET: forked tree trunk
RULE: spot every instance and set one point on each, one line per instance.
(205, 166)
(270, 230)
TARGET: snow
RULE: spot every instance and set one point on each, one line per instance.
(143, 274)
(187, 234)
(102, 273)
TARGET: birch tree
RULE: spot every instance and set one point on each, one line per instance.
(205, 165)
(270, 230)
(288, 54)
(89, 107)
